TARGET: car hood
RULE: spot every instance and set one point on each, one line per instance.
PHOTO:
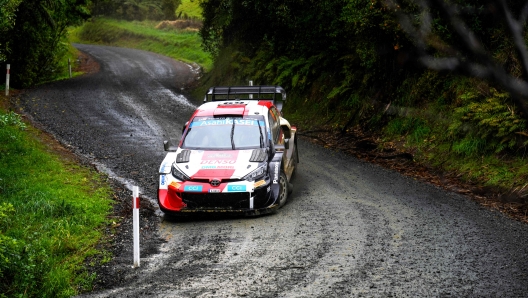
(202, 164)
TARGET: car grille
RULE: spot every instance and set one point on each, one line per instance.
(229, 201)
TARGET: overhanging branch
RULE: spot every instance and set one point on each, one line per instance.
(470, 57)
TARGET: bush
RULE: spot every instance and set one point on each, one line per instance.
(489, 124)
(11, 119)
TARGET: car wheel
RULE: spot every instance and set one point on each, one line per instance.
(283, 189)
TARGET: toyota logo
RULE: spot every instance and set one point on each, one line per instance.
(215, 182)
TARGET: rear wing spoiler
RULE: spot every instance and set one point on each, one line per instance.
(271, 93)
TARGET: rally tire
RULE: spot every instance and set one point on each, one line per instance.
(295, 157)
(284, 187)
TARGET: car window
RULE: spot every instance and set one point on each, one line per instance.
(216, 134)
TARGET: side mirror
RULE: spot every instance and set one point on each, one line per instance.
(167, 146)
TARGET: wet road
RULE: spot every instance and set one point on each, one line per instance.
(350, 229)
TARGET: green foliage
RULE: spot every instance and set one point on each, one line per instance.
(50, 216)
(347, 62)
(289, 73)
(11, 126)
(350, 49)
(135, 10)
(8, 10)
(168, 7)
(469, 146)
(189, 9)
(7, 244)
(184, 45)
(33, 45)
(490, 124)
(415, 129)
(11, 119)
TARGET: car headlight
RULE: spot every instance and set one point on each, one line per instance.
(257, 173)
(178, 174)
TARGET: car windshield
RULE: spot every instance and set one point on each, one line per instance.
(225, 133)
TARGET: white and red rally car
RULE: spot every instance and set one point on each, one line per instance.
(237, 154)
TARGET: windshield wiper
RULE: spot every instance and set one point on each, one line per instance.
(232, 135)
(261, 136)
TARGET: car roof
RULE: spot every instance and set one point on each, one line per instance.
(233, 108)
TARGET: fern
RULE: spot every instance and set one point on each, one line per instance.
(492, 120)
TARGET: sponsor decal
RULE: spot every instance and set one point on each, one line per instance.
(260, 183)
(235, 188)
(217, 162)
(211, 167)
(276, 173)
(165, 167)
(215, 190)
(192, 188)
(227, 122)
(269, 189)
(219, 156)
(163, 180)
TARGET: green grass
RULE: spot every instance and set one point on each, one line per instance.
(72, 54)
(189, 9)
(51, 215)
(471, 158)
(184, 45)
(503, 173)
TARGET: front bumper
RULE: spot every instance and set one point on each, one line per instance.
(234, 198)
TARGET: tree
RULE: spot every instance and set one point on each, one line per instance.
(8, 10)
(141, 9)
(105, 7)
(458, 36)
(34, 43)
(135, 9)
(168, 7)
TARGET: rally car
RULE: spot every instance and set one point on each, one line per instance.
(237, 154)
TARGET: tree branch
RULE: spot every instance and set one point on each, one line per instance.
(471, 57)
(516, 30)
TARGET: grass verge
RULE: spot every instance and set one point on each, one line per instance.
(52, 211)
(180, 44)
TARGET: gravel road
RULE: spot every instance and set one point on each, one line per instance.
(350, 229)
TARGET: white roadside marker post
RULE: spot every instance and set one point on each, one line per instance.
(8, 68)
(135, 203)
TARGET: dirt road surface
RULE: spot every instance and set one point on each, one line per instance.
(350, 229)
